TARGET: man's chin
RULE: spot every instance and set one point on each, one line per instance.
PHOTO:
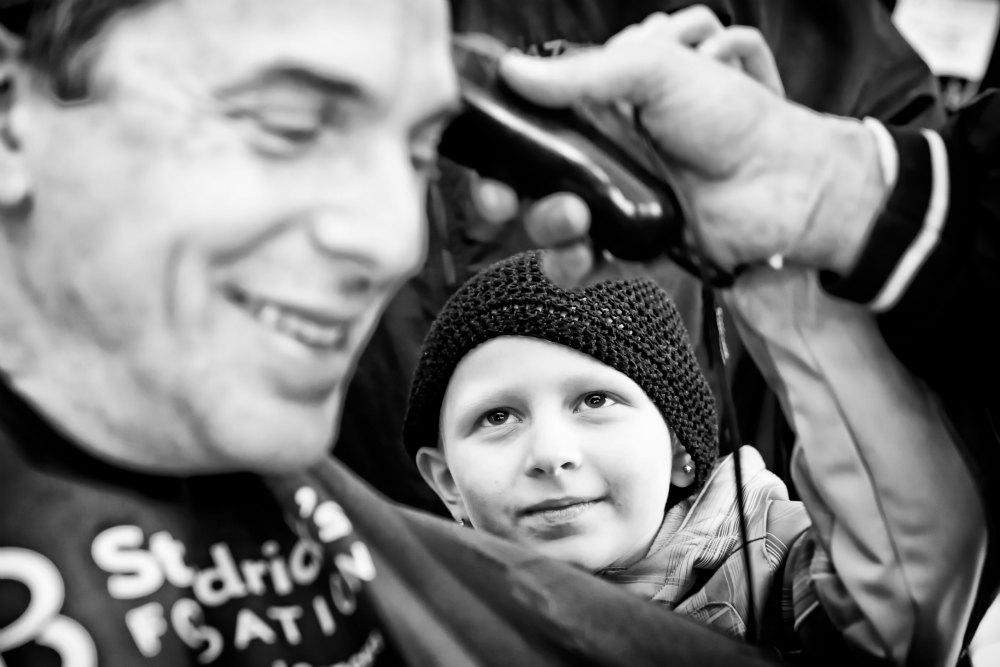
(278, 458)
(280, 446)
(261, 432)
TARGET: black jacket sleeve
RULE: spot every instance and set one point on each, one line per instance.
(931, 264)
(931, 270)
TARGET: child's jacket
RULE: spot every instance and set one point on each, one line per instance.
(696, 566)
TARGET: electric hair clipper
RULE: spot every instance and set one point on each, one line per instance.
(593, 150)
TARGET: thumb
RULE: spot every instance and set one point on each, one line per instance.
(600, 74)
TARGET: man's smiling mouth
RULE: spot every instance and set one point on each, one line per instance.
(311, 329)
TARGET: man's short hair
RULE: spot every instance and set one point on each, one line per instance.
(55, 34)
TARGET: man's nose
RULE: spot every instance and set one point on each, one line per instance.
(375, 218)
(553, 449)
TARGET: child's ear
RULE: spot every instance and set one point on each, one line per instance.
(434, 469)
(683, 472)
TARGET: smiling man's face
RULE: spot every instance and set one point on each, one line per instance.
(217, 229)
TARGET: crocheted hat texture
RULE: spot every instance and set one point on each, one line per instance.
(630, 325)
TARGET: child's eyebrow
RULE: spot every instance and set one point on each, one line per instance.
(479, 399)
(476, 403)
(594, 380)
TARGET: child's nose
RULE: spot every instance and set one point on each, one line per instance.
(553, 450)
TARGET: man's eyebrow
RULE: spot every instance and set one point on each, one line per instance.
(299, 75)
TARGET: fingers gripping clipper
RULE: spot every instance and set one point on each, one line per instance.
(596, 151)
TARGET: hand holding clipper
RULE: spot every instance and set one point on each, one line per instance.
(593, 150)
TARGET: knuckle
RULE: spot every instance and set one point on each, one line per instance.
(749, 35)
(705, 14)
(657, 19)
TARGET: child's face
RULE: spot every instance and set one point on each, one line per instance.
(551, 448)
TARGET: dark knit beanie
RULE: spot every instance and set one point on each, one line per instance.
(630, 325)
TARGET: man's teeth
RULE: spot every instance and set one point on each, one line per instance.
(308, 332)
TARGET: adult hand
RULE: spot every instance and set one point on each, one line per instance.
(757, 172)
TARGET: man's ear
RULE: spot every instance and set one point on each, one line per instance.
(434, 469)
(683, 471)
(15, 179)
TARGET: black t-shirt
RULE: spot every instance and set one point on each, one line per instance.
(101, 566)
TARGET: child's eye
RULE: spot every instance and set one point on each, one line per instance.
(497, 417)
(595, 400)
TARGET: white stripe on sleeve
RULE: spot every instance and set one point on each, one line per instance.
(930, 233)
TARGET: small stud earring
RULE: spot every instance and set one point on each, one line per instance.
(15, 195)
(460, 521)
(687, 468)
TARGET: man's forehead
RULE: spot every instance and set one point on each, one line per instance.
(373, 26)
(379, 45)
(423, 17)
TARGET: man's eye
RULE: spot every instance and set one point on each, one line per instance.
(292, 131)
(595, 400)
(280, 132)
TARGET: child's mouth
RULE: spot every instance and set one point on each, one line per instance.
(561, 510)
